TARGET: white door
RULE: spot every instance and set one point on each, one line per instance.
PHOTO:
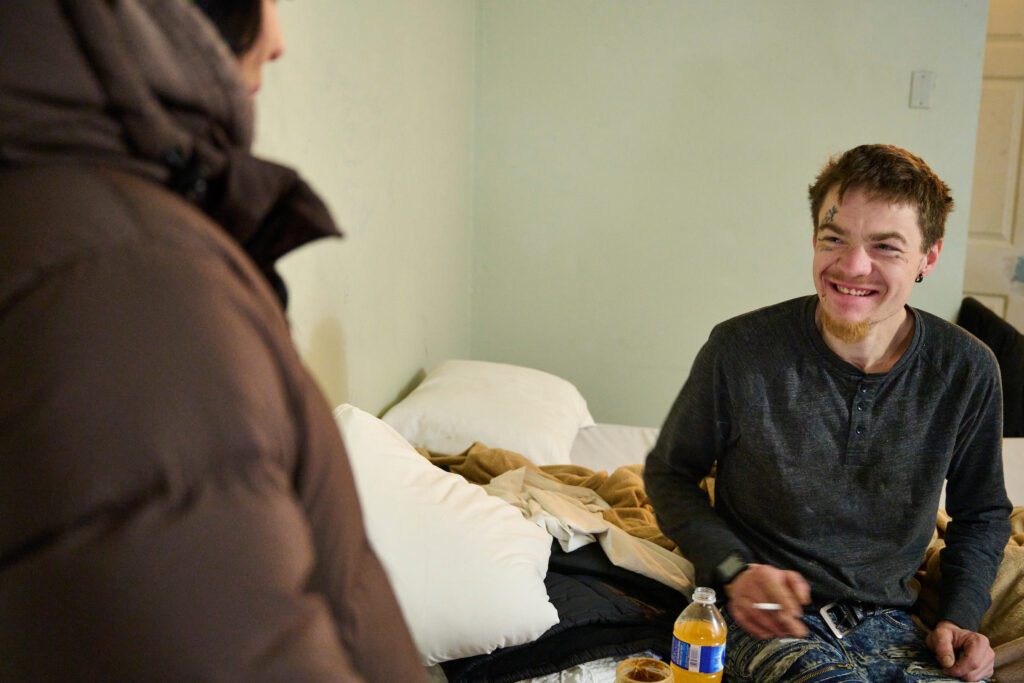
(995, 246)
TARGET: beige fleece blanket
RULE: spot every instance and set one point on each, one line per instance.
(574, 516)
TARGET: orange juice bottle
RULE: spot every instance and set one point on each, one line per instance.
(698, 640)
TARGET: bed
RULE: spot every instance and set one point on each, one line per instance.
(521, 545)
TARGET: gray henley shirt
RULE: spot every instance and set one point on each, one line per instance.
(833, 472)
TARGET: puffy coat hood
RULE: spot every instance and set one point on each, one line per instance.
(149, 87)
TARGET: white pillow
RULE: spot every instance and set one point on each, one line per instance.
(502, 406)
(467, 568)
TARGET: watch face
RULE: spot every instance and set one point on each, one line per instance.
(730, 567)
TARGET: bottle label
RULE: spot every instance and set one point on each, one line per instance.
(705, 659)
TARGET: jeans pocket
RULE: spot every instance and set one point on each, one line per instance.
(900, 620)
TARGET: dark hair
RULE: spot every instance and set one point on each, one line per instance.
(238, 21)
(888, 173)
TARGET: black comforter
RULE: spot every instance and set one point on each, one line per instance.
(603, 611)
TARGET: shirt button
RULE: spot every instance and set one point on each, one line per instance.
(860, 406)
(863, 390)
(859, 430)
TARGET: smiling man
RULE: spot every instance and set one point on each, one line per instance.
(834, 420)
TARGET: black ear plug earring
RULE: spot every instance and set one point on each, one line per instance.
(919, 278)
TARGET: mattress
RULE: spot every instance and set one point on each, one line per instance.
(1013, 469)
(608, 446)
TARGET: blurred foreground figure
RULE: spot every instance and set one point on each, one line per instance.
(175, 500)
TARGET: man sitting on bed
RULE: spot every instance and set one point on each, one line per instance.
(833, 420)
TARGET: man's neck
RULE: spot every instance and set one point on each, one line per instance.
(884, 345)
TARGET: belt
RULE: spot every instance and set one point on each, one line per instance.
(842, 616)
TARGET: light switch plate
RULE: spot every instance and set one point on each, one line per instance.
(921, 85)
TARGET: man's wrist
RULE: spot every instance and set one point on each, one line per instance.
(729, 568)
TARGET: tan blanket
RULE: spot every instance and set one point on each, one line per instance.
(623, 489)
(1004, 621)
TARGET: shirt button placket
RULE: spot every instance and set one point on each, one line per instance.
(859, 422)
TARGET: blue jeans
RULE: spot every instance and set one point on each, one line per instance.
(887, 646)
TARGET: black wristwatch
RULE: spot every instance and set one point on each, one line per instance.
(729, 568)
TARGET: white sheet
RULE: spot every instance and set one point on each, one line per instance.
(594, 671)
(608, 446)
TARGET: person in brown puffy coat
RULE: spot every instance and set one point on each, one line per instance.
(175, 500)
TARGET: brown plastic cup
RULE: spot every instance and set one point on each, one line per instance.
(643, 670)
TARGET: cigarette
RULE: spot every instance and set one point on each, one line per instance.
(768, 606)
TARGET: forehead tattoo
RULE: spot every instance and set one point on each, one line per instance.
(831, 213)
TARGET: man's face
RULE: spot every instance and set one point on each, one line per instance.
(867, 253)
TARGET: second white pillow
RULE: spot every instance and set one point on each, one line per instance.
(519, 409)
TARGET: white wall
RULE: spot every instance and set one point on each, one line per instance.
(373, 103)
(642, 166)
(587, 186)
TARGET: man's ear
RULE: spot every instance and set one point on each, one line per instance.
(931, 257)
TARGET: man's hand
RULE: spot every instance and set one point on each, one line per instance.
(762, 583)
(976, 660)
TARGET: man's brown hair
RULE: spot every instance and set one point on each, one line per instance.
(891, 174)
